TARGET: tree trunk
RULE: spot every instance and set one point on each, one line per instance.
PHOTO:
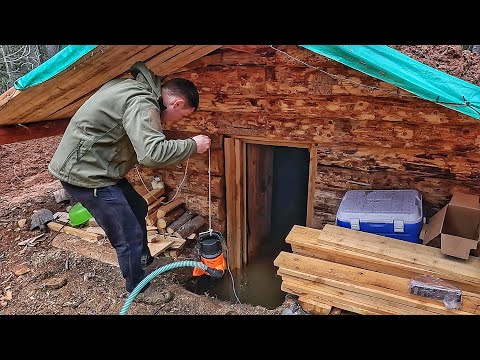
(52, 50)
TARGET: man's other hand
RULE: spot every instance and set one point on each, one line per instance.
(203, 143)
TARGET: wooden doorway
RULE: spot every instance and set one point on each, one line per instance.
(252, 191)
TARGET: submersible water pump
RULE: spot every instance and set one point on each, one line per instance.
(211, 254)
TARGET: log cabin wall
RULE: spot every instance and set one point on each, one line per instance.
(367, 139)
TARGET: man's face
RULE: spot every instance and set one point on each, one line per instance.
(175, 113)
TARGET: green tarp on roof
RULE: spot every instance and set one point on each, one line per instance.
(53, 66)
(387, 64)
(379, 61)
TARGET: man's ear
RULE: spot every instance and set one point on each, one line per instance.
(178, 104)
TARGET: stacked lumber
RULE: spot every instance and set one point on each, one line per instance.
(370, 274)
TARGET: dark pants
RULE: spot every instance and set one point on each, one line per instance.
(121, 212)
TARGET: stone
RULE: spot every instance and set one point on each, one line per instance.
(55, 283)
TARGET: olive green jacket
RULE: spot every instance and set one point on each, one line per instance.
(116, 128)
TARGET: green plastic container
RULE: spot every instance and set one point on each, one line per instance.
(79, 215)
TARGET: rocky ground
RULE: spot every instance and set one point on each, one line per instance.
(41, 279)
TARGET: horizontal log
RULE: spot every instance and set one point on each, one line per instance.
(15, 133)
(174, 226)
(198, 163)
(299, 79)
(462, 165)
(224, 81)
(331, 183)
(194, 183)
(190, 227)
(199, 204)
(333, 128)
(222, 123)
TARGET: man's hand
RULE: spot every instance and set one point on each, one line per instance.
(203, 143)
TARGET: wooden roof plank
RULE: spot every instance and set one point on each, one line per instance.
(92, 84)
(61, 96)
(34, 96)
(72, 83)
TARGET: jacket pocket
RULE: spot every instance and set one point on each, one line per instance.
(71, 158)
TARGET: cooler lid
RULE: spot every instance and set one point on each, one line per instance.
(381, 206)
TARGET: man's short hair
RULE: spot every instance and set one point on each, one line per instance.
(184, 88)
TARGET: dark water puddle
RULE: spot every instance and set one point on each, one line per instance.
(255, 284)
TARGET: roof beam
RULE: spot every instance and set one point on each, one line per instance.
(15, 133)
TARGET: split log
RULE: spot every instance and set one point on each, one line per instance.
(180, 221)
(156, 203)
(74, 231)
(162, 210)
(162, 223)
(153, 195)
(190, 227)
(96, 230)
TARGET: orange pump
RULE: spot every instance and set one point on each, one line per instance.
(211, 253)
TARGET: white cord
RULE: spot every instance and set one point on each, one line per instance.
(209, 194)
(178, 188)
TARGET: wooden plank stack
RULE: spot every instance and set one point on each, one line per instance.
(370, 274)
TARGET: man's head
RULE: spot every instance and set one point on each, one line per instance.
(180, 98)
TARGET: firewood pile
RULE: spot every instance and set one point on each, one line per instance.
(170, 221)
(169, 225)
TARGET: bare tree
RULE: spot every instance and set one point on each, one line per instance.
(17, 60)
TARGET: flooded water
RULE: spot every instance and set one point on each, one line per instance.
(256, 284)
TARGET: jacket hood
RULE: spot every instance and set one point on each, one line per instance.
(141, 73)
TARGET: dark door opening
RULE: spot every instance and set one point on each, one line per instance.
(276, 182)
(277, 196)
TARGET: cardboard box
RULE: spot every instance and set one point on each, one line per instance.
(457, 224)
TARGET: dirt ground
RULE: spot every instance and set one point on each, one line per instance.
(92, 287)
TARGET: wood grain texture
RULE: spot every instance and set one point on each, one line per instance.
(259, 196)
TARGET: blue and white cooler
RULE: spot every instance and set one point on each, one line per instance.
(394, 213)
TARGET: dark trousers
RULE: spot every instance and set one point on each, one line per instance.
(121, 212)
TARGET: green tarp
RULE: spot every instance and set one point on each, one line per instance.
(387, 64)
(379, 61)
(56, 64)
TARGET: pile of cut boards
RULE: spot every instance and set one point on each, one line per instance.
(370, 274)
(169, 226)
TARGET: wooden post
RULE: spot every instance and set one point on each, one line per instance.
(259, 196)
(311, 185)
(235, 198)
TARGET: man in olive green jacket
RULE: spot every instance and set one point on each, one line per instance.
(116, 128)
